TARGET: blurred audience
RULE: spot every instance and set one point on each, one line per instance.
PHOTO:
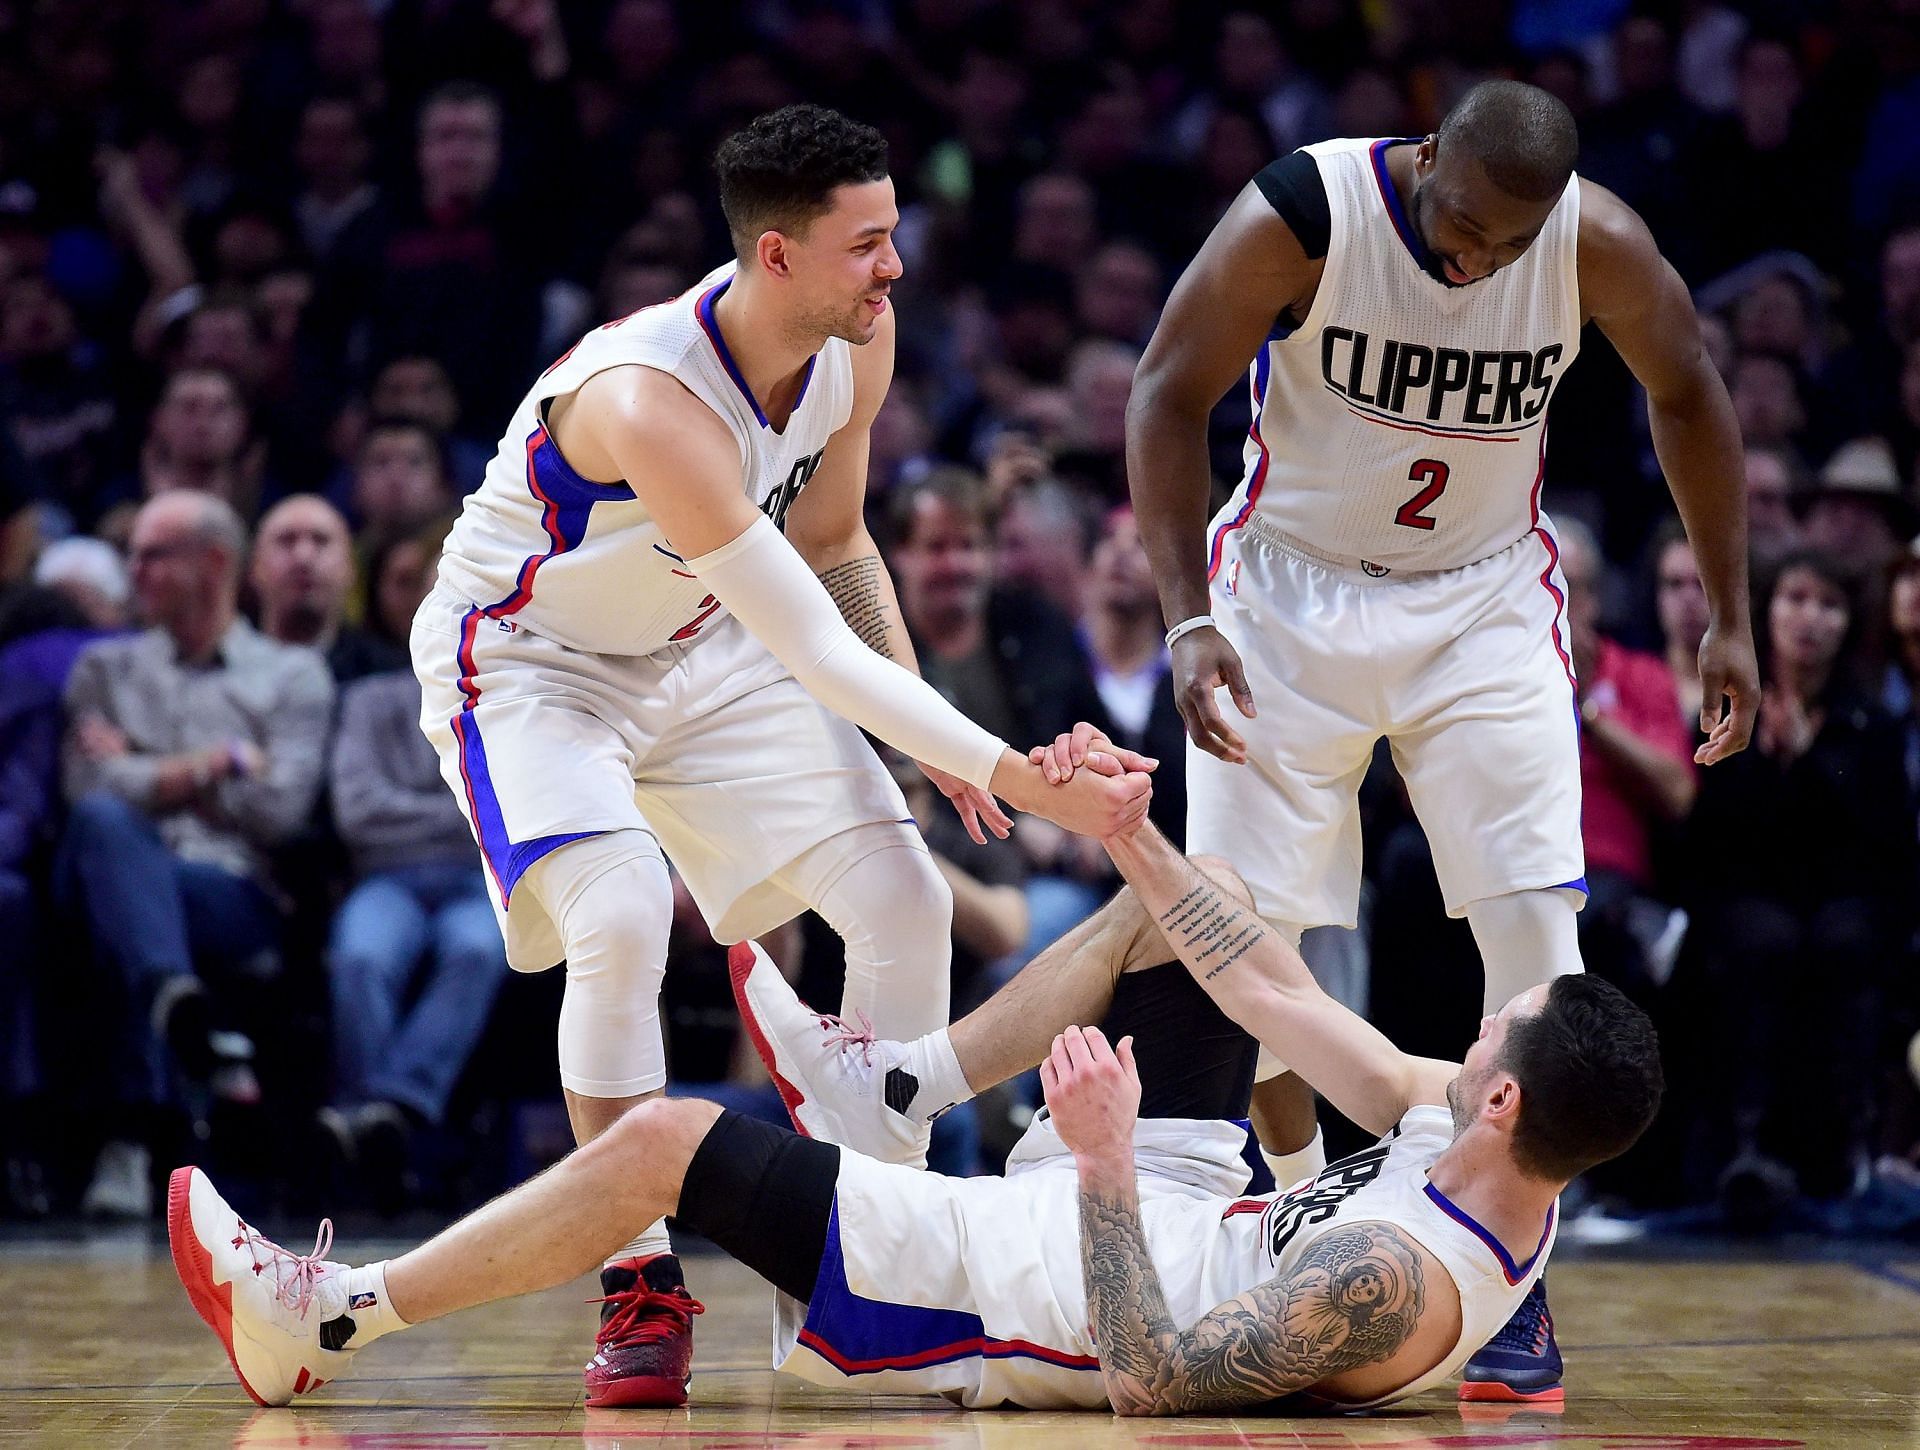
(191, 749)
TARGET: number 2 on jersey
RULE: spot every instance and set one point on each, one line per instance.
(1433, 473)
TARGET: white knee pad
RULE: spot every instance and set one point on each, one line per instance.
(1525, 938)
(613, 903)
(1268, 1065)
(878, 887)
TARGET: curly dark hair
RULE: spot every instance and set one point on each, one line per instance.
(1588, 1065)
(779, 172)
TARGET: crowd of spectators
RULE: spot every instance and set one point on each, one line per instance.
(274, 272)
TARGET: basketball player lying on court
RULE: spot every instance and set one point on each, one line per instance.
(1117, 1262)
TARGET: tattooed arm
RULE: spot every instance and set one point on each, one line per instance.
(1259, 980)
(1355, 1298)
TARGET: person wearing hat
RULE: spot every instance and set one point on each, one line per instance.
(1858, 510)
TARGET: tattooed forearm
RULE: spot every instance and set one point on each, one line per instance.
(856, 591)
(1354, 1298)
(1210, 932)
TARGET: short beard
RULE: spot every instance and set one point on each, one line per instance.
(1430, 262)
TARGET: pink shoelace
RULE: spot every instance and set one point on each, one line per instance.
(840, 1035)
(294, 1286)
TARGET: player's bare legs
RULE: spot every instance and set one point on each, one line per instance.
(1071, 981)
(559, 1225)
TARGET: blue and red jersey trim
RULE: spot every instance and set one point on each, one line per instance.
(1257, 480)
(566, 506)
(709, 324)
(1402, 224)
(1514, 1272)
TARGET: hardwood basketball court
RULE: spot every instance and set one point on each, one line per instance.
(99, 1348)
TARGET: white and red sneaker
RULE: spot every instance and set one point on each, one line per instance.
(834, 1078)
(279, 1315)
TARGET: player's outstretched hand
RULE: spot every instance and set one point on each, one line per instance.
(1069, 752)
(1103, 799)
(1729, 669)
(1093, 1093)
(1203, 661)
(974, 805)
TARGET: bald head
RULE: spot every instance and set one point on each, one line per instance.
(1523, 137)
(184, 557)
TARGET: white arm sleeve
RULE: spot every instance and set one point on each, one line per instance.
(763, 580)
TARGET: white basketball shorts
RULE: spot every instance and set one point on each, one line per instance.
(712, 747)
(1466, 672)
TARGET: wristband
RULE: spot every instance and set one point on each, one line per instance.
(1188, 626)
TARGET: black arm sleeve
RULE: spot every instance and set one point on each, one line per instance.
(1293, 187)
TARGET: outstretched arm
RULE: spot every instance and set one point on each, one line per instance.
(1261, 983)
(1643, 307)
(684, 466)
(1356, 1297)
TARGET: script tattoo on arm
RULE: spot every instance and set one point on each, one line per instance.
(1209, 931)
(855, 588)
(1355, 1298)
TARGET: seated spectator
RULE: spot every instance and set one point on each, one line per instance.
(1773, 488)
(417, 387)
(1006, 658)
(199, 437)
(1099, 380)
(1857, 512)
(1680, 604)
(416, 958)
(29, 793)
(79, 596)
(1802, 867)
(1121, 635)
(1041, 536)
(191, 748)
(302, 569)
(1768, 400)
(56, 395)
(400, 477)
(1636, 777)
(400, 571)
(1117, 293)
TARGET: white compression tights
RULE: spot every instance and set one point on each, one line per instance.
(1525, 938)
(612, 901)
(877, 886)
(610, 896)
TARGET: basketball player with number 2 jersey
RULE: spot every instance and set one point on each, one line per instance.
(658, 628)
(1405, 311)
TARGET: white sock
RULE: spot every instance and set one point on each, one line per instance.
(649, 1241)
(1297, 1166)
(942, 1084)
(368, 1306)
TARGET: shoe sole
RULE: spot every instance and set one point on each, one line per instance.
(212, 1302)
(741, 960)
(639, 1392)
(1493, 1391)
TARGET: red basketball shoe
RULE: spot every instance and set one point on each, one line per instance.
(645, 1350)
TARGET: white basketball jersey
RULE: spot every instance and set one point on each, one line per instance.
(583, 563)
(973, 1287)
(1262, 1238)
(1402, 425)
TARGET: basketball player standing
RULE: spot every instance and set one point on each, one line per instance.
(1384, 569)
(657, 625)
